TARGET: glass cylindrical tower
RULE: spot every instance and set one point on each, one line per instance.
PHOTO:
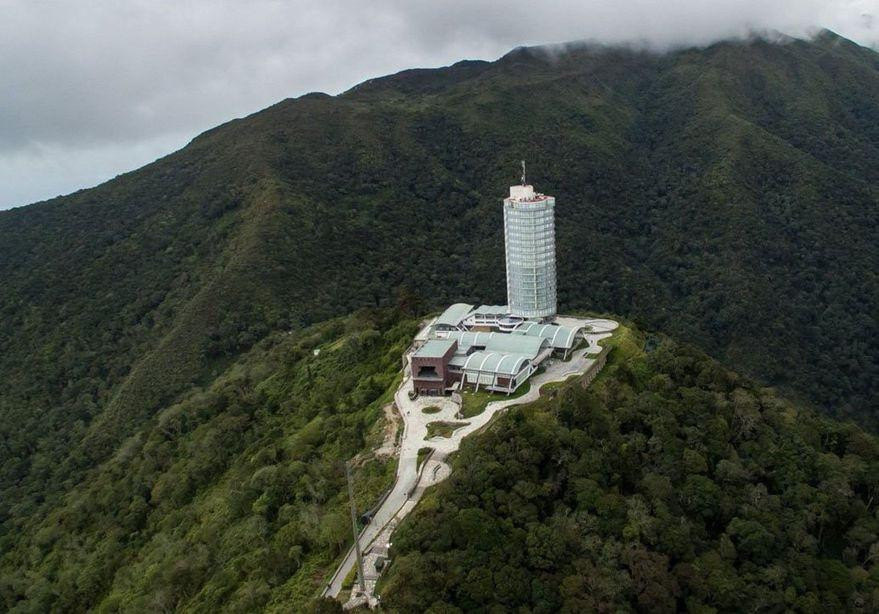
(529, 236)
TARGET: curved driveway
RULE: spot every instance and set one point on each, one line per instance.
(404, 494)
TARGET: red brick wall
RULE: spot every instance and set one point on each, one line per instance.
(442, 369)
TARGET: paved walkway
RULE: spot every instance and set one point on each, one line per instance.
(410, 483)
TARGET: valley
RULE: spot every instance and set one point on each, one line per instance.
(193, 353)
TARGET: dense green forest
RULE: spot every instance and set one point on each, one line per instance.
(671, 484)
(726, 196)
(232, 498)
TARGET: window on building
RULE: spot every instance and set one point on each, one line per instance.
(427, 372)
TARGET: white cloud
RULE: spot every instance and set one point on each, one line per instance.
(91, 89)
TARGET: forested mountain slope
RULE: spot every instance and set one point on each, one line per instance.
(669, 485)
(232, 499)
(725, 195)
(670, 482)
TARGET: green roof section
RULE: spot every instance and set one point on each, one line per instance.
(496, 362)
(493, 309)
(561, 337)
(459, 360)
(435, 348)
(500, 342)
(454, 314)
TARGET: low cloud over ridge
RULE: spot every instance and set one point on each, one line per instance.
(93, 90)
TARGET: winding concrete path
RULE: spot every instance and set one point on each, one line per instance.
(410, 483)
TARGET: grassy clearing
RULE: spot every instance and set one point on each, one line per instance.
(475, 402)
(443, 429)
(433, 409)
(547, 387)
(627, 344)
(348, 584)
(423, 453)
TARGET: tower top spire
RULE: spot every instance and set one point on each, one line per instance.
(523, 173)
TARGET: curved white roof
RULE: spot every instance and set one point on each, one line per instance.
(454, 314)
(492, 309)
(559, 337)
(496, 362)
(528, 345)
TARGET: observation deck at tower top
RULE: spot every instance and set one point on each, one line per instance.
(526, 194)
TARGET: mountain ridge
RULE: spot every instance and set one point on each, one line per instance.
(726, 196)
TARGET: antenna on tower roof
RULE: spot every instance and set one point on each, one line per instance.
(523, 172)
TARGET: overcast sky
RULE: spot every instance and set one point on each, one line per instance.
(91, 89)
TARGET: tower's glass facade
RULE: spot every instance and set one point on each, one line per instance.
(529, 235)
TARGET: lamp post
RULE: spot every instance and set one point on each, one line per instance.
(360, 575)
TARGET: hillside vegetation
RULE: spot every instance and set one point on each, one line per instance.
(231, 499)
(726, 196)
(671, 484)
